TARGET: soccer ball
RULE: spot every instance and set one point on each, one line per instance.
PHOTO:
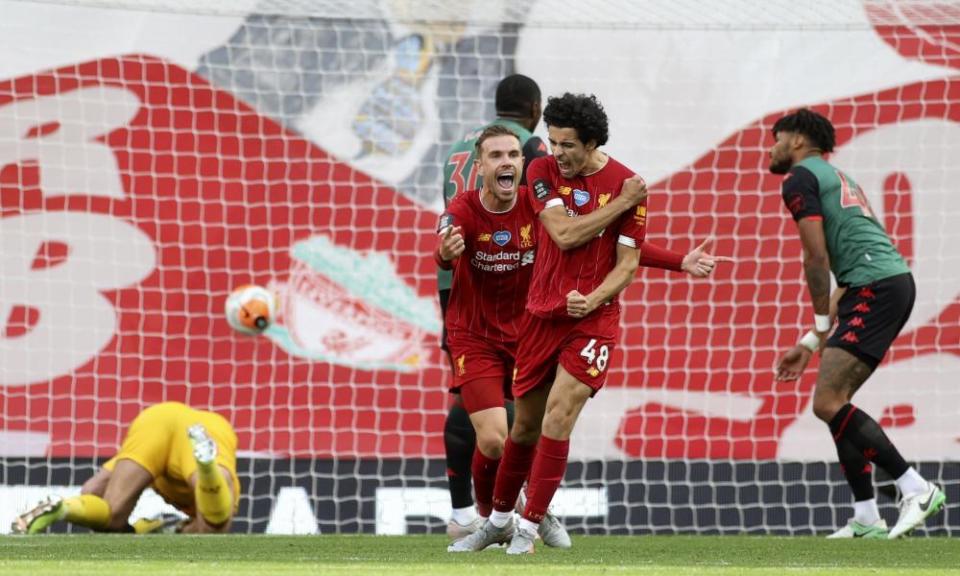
(251, 309)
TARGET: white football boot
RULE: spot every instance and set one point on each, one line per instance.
(855, 529)
(917, 508)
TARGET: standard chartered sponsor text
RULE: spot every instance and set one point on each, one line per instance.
(498, 262)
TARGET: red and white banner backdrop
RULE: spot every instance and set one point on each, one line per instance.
(134, 196)
(217, 194)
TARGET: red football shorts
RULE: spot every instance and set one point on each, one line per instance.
(482, 370)
(582, 346)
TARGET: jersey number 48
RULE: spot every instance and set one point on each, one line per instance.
(596, 356)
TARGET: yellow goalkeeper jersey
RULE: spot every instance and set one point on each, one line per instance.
(157, 440)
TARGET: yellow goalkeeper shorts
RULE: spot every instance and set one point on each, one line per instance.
(157, 440)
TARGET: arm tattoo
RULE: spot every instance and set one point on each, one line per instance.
(818, 282)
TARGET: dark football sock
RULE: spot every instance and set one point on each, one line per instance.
(857, 469)
(856, 426)
(459, 439)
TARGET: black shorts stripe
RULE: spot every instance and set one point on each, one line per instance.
(870, 317)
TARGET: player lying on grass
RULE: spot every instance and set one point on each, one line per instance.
(187, 456)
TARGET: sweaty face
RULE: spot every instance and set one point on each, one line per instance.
(780, 159)
(501, 165)
(570, 153)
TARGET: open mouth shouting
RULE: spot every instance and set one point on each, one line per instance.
(506, 179)
(566, 170)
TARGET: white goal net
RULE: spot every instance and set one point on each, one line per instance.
(154, 155)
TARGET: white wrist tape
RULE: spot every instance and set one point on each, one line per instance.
(810, 341)
(822, 322)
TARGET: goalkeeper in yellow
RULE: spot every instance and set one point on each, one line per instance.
(187, 456)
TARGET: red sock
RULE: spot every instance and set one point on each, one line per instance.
(484, 475)
(513, 470)
(545, 477)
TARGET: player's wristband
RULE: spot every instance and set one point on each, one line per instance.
(810, 341)
(822, 322)
(444, 264)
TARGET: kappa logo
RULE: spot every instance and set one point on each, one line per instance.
(502, 237)
(795, 204)
(580, 197)
(541, 189)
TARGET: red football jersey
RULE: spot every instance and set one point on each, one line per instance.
(492, 276)
(557, 272)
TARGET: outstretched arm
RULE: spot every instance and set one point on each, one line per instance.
(698, 263)
(580, 305)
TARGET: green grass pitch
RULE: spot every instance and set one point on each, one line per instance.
(426, 555)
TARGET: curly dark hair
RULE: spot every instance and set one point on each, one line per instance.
(582, 112)
(818, 130)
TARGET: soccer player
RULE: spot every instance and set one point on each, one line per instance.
(518, 109)
(572, 314)
(187, 456)
(489, 238)
(518, 104)
(876, 292)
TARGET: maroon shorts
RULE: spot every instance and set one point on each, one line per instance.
(482, 370)
(582, 346)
